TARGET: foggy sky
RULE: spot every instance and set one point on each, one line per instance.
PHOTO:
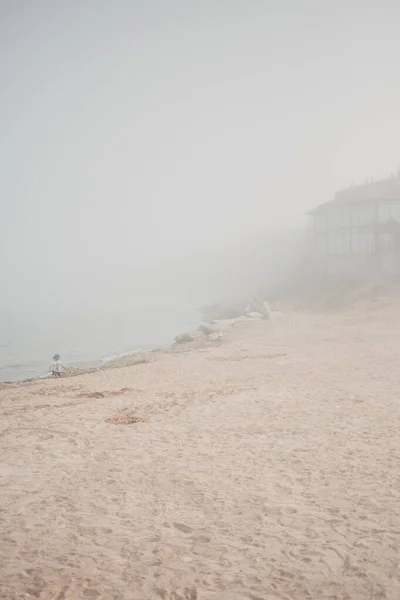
(141, 130)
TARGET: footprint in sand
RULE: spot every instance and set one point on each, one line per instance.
(182, 527)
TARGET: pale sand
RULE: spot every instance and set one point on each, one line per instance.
(255, 476)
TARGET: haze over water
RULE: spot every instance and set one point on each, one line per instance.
(145, 143)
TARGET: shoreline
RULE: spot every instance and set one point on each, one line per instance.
(217, 314)
(128, 359)
(199, 340)
(83, 339)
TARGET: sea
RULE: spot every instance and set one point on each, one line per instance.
(29, 339)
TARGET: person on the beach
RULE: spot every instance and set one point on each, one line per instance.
(57, 366)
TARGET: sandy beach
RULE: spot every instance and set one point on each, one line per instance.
(266, 467)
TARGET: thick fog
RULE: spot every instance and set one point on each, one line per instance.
(145, 144)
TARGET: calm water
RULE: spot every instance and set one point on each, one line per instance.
(29, 340)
